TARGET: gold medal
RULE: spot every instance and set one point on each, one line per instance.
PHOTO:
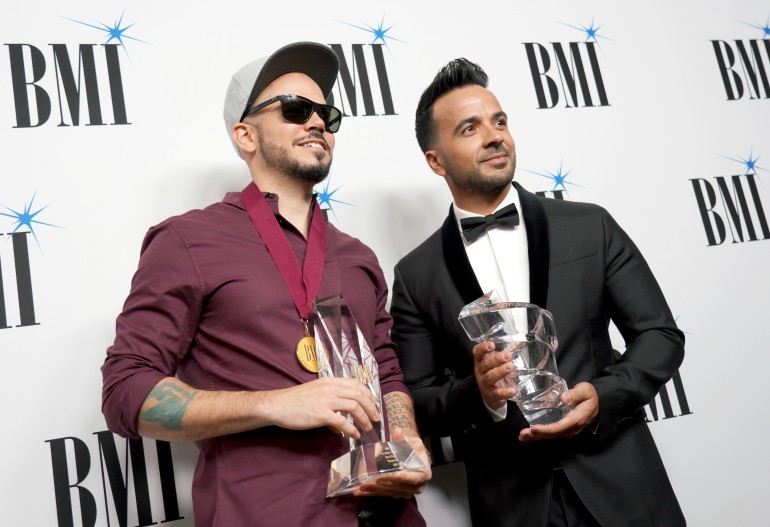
(306, 351)
(306, 354)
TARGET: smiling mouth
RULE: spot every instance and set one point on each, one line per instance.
(312, 142)
(313, 145)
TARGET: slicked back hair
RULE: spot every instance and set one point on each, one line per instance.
(458, 73)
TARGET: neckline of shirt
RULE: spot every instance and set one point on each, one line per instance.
(511, 197)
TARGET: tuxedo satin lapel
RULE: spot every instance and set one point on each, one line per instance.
(538, 245)
(457, 260)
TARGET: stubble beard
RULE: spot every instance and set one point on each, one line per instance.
(474, 182)
(278, 157)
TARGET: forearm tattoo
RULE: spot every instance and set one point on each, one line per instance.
(400, 414)
(170, 408)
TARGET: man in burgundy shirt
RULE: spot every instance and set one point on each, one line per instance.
(207, 344)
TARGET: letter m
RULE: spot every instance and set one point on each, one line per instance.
(110, 463)
(66, 82)
(355, 80)
(70, 87)
(737, 207)
(574, 67)
(754, 67)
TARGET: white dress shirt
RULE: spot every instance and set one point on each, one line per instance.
(500, 261)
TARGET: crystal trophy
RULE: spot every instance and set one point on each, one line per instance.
(342, 351)
(529, 333)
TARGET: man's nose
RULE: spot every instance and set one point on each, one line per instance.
(493, 137)
(315, 123)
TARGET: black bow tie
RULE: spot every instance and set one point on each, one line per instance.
(474, 227)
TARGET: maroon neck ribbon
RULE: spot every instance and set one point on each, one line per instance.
(303, 285)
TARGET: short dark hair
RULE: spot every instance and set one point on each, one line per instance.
(458, 73)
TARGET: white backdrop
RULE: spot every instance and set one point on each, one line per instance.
(667, 124)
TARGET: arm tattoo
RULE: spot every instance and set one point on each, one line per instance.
(399, 414)
(170, 408)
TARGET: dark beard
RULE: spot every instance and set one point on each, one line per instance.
(472, 181)
(278, 157)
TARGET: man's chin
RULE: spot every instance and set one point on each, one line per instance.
(496, 182)
(311, 173)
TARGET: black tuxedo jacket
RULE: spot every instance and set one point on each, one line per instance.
(586, 271)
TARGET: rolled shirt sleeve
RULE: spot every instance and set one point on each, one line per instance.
(155, 329)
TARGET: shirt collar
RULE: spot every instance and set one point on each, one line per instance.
(234, 199)
(511, 197)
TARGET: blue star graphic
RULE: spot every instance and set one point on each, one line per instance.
(27, 218)
(379, 33)
(559, 178)
(590, 31)
(324, 197)
(115, 32)
(750, 162)
(764, 28)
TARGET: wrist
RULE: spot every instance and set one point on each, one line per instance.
(261, 407)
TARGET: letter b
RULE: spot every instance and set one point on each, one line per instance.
(20, 86)
(62, 486)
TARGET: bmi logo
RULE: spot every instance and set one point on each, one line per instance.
(732, 203)
(568, 72)
(363, 85)
(744, 64)
(57, 79)
(77, 504)
(18, 266)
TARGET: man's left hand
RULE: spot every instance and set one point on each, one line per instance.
(404, 484)
(585, 409)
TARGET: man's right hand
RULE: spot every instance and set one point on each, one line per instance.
(491, 366)
(317, 403)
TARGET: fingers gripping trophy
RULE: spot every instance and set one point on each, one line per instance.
(342, 351)
(529, 333)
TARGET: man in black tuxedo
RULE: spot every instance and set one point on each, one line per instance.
(599, 464)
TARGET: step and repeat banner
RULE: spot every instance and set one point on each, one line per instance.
(111, 121)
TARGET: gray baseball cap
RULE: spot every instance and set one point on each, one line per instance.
(317, 61)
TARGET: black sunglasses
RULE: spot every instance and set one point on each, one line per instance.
(298, 109)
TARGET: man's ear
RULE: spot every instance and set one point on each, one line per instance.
(244, 137)
(435, 163)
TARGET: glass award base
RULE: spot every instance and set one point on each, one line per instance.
(538, 395)
(366, 463)
(544, 416)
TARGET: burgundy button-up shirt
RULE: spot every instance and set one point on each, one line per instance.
(208, 305)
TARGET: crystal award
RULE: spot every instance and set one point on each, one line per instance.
(529, 333)
(342, 351)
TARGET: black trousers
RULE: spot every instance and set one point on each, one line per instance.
(567, 509)
(378, 511)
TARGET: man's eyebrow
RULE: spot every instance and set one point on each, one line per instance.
(468, 120)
